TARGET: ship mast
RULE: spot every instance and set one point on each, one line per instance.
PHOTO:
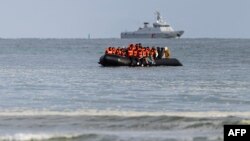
(158, 19)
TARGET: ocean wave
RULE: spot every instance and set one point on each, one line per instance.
(99, 125)
(204, 114)
(36, 136)
(114, 136)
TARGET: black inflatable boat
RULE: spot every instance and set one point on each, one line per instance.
(115, 60)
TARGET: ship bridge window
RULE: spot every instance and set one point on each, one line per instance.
(161, 25)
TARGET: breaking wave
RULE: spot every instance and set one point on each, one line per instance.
(120, 113)
(104, 137)
(103, 125)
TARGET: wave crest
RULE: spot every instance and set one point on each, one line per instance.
(122, 113)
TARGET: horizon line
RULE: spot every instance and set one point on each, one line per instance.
(1, 38)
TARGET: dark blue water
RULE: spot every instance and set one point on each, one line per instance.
(55, 89)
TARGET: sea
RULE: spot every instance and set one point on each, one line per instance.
(55, 90)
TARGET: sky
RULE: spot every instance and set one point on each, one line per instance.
(108, 18)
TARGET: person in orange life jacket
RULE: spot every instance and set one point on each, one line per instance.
(124, 53)
(133, 55)
(139, 58)
(135, 52)
(113, 50)
(131, 46)
(144, 52)
(136, 46)
(117, 51)
(130, 52)
(147, 50)
(108, 50)
(121, 52)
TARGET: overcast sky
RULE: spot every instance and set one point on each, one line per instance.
(107, 18)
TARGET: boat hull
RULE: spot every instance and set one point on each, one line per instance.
(172, 34)
(115, 60)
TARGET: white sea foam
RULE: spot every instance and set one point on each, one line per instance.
(123, 113)
(110, 135)
(33, 136)
(25, 136)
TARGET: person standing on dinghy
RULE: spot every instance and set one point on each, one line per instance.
(166, 53)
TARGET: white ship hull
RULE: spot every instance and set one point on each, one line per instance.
(160, 29)
(172, 34)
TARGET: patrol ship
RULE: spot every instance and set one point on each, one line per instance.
(160, 29)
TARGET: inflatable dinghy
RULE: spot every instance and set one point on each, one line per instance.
(115, 60)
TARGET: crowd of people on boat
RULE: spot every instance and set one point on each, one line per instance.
(139, 54)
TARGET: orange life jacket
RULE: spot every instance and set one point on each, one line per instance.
(133, 48)
(130, 53)
(152, 52)
(108, 51)
(113, 50)
(135, 52)
(139, 54)
(144, 53)
(117, 52)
